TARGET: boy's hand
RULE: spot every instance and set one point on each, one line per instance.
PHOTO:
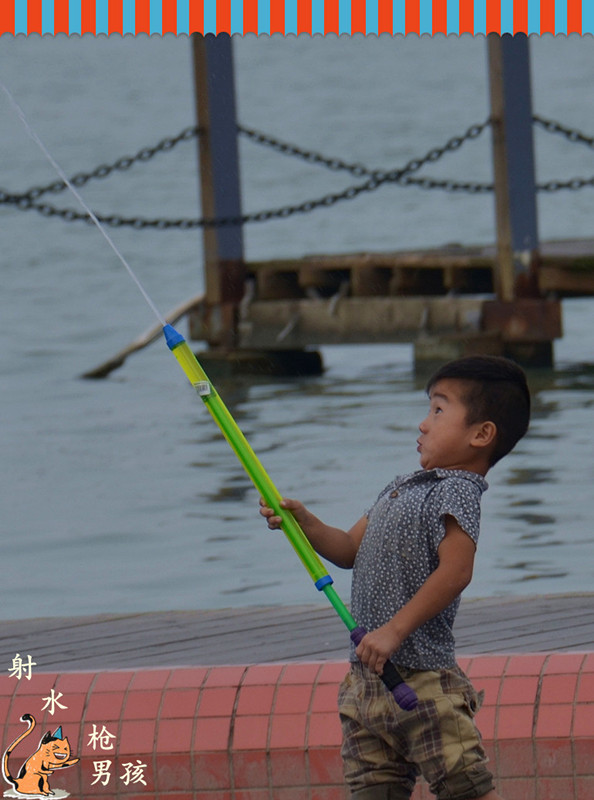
(376, 647)
(274, 521)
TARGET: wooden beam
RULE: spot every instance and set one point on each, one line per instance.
(219, 184)
(513, 166)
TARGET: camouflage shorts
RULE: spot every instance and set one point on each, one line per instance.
(439, 740)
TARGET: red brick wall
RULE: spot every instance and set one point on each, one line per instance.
(271, 731)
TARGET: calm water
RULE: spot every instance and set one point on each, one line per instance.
(119, 495)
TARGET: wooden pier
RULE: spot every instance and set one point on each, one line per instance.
(451, 302)
(443, 300)
(540, 623)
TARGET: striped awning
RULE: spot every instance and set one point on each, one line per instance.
(296, 16)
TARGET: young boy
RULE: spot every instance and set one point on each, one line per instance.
(412, 555)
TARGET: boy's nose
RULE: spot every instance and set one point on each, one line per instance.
(423, 426)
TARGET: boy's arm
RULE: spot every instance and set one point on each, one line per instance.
(442, 587)
(338, 546)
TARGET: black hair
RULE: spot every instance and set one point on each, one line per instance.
(496, 391)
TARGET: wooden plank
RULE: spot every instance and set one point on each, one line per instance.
(145, 338)
(567, 267)
(567, 281)
(296, 323)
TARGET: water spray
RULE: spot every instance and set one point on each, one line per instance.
(403, 694)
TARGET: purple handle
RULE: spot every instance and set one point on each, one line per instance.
(403, 694)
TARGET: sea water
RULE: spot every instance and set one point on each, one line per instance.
(120, 495)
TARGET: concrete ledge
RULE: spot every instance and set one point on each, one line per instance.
(267, 732)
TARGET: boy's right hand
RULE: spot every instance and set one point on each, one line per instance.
(274, 521)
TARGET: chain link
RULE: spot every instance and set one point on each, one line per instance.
(376, 178)
(571, 134)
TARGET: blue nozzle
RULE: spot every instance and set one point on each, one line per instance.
(172, 337)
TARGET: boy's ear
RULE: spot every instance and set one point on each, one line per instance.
(484, 434)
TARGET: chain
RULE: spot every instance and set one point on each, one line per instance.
(572, 134)
(360, 170)
(447, 185)
(336, 164)
(376, 178)
(105, 170)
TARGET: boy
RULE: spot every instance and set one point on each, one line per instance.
(412, 554)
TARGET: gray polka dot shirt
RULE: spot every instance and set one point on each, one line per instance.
(399, 551)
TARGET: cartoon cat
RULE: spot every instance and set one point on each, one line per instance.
(53, 753)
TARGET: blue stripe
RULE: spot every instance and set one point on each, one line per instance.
(237, 16)
(156, 16)
(74, 18)
(183, 16)
(480, 16)
(47, 16)
(290, 16)
(128, 16)
(210, 16)
(507, 16)
(344, 16)
(534, 16)
(20, 16)
(263, 16)
(561, 16)
(426, 17)
(102, 17)
(398, 17)
(317, 16)
(371, 17)
(587, 18)
(453, 17)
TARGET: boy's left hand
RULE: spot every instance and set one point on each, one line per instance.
(376, 647)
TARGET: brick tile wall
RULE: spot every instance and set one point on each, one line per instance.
(271, 732)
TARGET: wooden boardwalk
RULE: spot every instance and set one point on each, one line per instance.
(254, 635)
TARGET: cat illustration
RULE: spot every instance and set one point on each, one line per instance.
(53, 753)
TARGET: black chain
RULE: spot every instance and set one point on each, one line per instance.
(105, 170)
(376, 178)
(571, 134)
(336, 164)
(447, 185)
(360, 170)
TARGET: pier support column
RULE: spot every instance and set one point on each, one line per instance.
(527, 328)
(219, 188)
(513, 166)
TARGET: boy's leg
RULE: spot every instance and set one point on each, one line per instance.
(444, 740)
(375, 768)
(385, 748)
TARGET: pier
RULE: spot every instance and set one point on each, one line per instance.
(451, 302)
(442, 300)
(503, 296)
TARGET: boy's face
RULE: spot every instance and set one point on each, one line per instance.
(446, 438)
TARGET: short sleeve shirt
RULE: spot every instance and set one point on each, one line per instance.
(405, 527)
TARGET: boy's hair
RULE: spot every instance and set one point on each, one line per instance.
(496, 391)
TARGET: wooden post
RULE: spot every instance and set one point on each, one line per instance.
(513, 161)
(219, 187)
